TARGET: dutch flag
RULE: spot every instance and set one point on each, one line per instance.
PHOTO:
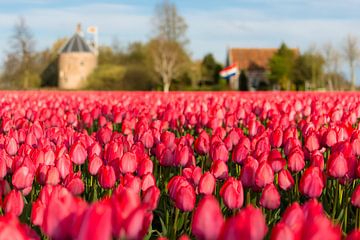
(229, 71)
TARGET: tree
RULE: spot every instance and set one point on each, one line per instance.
(332, 61)
(281, 67)
(352, 55)
(308, 68)
(22, 44)
(167, 48)
(210, 69)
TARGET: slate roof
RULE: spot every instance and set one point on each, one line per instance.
(76, 44)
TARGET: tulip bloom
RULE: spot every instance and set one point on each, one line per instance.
(13, 203)
(270, 197)
(128, 163)
(78, 153)
(264, 175)
(96, 223)
(355, 198)
(232, 193)
(312, 182)
(207, 183)
(286, 181)
(337, 165)
(249, 223)
(207, 220)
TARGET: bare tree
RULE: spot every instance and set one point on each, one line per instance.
(167, 47)
(352, 55)
(332, 61)
(19, 60)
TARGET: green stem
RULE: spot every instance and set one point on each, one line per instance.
(176, 221)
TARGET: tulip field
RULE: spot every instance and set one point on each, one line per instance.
(182, 165)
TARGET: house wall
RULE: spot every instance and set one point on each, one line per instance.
(74, 68)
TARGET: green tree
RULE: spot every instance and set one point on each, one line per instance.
(210, 69)
(281, 68)
(309, 67)
(107, 77)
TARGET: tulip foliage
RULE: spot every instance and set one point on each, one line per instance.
(123, 165)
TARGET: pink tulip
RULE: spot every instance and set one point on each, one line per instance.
(249, 223)
(96, 223)
(232, 193)
(270, 197)
(13, 203)
(286, 181)
(207, 183)
(337, 165)
(264, 175)
(128, 163)
(107, 177)
(202, 228)
(312, 182)
(355, 198)
(78, 153)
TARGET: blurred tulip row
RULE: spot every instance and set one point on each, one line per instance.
(125, 165)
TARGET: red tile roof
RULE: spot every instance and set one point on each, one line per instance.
(252, 57)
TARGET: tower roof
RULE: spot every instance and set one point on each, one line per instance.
(76, 44)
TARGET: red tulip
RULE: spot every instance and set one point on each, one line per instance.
(232, 193)
(270, 197)
(330, 138)
(312, 182)
(276, 138)
(312, 142)
(202, 143)
(202, 227)
(192, 174)
(128, 163)
(145, 166)
(240, 153)
(249, 223)
(11, 146)
(294, 218)
(355, 198)
(137, 224)
(96, 223)
(182, 155)
(13, 203)
(11, 228)
(95, 163)
(337, 165)
(219, 169)
(124, 202)
(218, 151)
(185, 198)
(22, 178)
(74, 183)
(147, 181)
(281, 231)
(151, 197)
(296, 160)
(286, 181)
(78, 153)
(354, 235)
(264, 175)
(64, 166)
(248, 172)
(107, 177)
(207, 183)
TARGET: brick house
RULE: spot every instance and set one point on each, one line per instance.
(254, 63)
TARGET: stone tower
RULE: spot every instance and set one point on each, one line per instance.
(76, 61)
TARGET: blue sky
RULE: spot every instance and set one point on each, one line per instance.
(214, 25)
